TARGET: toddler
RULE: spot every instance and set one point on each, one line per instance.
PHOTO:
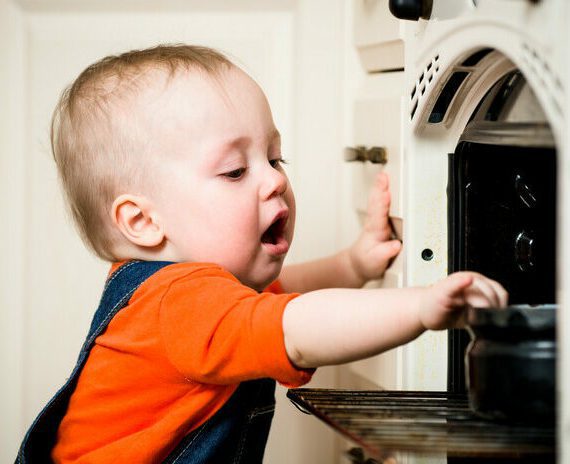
(172, 167)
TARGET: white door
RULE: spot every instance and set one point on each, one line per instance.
(375, 118)
(49, 283)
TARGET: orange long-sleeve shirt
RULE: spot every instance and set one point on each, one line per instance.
(169, 360)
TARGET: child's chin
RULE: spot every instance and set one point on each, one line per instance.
(268, 279)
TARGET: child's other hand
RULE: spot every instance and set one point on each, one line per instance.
(444, 303)
(372, 252)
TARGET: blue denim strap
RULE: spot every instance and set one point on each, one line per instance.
(236, 434)
(40, 438)
(118, 291)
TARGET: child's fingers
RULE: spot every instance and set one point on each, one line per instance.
(379, 208)
(383, 181)
(455, 284)
(496, 298)
(486, 292)
(380, 257)
(379, 199)
(501, 292)
(387, 250)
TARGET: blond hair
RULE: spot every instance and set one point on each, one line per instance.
(96, 148)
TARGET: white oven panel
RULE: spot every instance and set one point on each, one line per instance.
(531, 36)
(524, 35)
(378, 36)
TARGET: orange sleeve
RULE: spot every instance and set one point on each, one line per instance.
(218, 331)
(274, 287)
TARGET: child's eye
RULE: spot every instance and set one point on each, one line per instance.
(235, 174)
(275, 163)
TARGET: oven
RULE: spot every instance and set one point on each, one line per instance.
(480, 165)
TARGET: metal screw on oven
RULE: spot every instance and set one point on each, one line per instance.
(376, 155)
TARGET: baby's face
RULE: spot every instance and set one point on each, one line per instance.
(222, 194)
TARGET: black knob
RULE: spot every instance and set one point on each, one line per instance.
(411, 9)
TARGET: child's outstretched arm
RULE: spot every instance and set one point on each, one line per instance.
(336, 326)
(365, 260)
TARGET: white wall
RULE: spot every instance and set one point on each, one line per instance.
(49, 283)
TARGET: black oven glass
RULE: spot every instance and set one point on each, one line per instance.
(501, 222)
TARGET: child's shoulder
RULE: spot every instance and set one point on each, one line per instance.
(174, 272)
(193, 270)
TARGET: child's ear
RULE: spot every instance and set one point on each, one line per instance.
(137, 221)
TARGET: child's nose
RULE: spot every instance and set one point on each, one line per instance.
(274, 183)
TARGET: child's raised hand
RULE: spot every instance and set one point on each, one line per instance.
(372, 252)
(443, 304)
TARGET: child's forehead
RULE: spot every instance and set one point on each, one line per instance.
(189, 105)
(162, 91)
(162, 81)
(222, 83)
(176, 88)
(196, 91)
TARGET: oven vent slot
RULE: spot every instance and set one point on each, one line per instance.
(422, 84)
(446, 96)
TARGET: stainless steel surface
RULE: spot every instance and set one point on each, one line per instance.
(423, 423)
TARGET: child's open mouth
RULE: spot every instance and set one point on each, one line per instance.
(273, 239)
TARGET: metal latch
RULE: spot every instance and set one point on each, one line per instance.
(376, 155)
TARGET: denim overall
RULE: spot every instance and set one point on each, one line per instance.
(237, 433)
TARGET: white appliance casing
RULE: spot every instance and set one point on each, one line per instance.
(531, 37)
